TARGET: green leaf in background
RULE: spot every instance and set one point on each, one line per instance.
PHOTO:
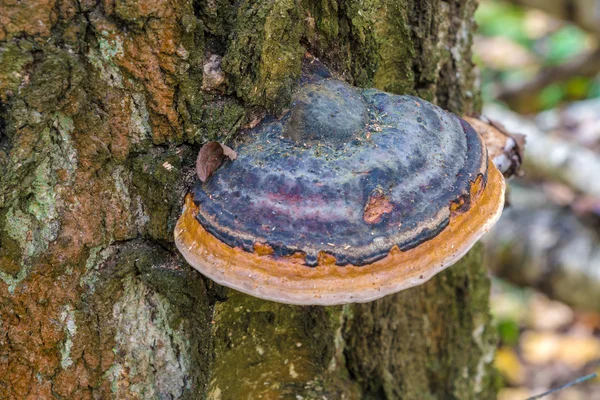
(551, 96)
(550, 42)
(502, 19)
(577, 88)
(594, 90)
(564, 44)
(508, 330)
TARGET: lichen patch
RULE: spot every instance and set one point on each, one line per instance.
(155, 364)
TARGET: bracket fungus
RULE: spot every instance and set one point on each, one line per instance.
(351, 195)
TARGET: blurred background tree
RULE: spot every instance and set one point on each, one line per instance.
(540, 70)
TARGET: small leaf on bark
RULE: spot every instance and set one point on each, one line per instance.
(229, 152)
(209, 159)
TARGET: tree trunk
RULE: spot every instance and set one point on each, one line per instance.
(103, 107)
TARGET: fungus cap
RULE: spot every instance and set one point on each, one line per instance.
(351, 195)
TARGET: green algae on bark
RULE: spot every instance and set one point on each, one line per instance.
(265, 42)
(280, 351)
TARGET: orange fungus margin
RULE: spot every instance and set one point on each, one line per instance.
(288, 280)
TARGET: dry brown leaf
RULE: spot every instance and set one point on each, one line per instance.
(229, 152)
(209, 159)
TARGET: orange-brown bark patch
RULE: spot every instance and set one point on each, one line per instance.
(34, 18)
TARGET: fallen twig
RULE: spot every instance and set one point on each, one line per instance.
(566, 385)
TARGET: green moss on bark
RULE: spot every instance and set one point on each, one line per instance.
(14, 57)
(156, 180)
(264, 56)
(270, 350)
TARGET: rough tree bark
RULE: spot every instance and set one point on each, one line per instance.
(102, 110)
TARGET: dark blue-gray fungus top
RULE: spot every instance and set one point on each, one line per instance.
(347, 171)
